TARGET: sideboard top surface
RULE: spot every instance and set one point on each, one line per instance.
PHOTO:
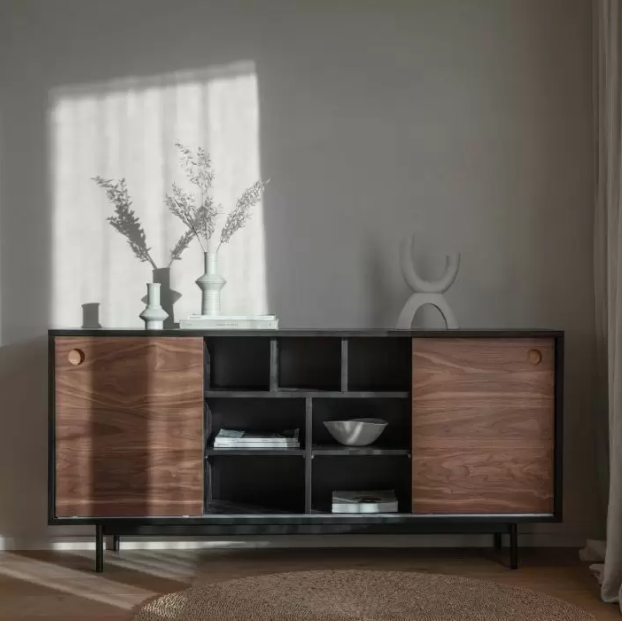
(461, 333)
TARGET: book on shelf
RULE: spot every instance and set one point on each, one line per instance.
(230, 322)
(231, 438)
(272, 444)
(365, 502)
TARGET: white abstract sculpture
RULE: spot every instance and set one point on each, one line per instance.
(426, 291)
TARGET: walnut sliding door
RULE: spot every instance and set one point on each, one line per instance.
(128, 424)
(483, 425)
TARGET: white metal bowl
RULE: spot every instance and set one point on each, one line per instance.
(356, 432)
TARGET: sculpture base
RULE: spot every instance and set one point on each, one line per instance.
(417, 300)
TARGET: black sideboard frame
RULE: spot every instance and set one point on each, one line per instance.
(307, 523)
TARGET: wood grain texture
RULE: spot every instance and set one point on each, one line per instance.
(483, 425)
(482, 481)
(129, 426)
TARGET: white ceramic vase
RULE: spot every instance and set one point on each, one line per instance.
(153, 315)
(210, 284)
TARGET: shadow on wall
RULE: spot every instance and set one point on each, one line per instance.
(90, 316)
(168, 296)
(367, 119)
(23, 442)
(127, 128)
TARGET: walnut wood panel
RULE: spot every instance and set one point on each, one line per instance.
(129, 426)
(482, 481)
(483, 425)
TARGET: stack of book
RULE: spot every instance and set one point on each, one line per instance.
(233, 439)
(365, 502)
(230, 322)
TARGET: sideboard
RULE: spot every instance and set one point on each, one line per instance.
(473, 444)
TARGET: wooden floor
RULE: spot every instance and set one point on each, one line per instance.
(62, 585)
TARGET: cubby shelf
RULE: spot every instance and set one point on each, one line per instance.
(359, 451)
(291, 393)
(344, 451)
(271, 384)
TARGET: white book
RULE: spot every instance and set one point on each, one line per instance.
(365, 502)
(255, 439)
(227, 323)
(235, 317)
(255, 447)
(234, 438)
(238, 434)
(256, 444)
(275, 443)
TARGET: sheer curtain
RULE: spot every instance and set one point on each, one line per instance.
(608, 274)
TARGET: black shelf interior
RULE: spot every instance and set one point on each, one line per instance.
(309, 363)
(225, 507)
(379, 364)
(261, 482)
(238, 363)
(397, 412)
(275, 383)
(366, 474)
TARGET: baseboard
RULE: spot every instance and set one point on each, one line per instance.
(297, 541)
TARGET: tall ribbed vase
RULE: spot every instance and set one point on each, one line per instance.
(210, 284)
(154, 315)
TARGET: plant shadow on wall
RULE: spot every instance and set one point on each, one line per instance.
(199, 213)
(158, 205)
(128, 224)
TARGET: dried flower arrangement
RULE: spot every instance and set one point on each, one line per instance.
(200, 217)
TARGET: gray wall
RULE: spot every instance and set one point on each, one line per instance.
(469, 122)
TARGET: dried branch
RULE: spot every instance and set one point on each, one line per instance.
(125, 220)
(201, 218)
(242, 211)
(181, 245)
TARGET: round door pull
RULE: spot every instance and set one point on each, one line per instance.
(75, 357)
(535, 356)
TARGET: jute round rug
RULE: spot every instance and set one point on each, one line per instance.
(358, 595)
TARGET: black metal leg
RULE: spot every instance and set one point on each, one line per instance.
(513, 546)
(99, 548)
(116, 542)
(498, 541)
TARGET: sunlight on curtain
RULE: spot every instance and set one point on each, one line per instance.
(127, 128)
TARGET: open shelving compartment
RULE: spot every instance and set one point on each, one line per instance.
(395, 438)
(309, 364)
(237, 364)
(379, 364)
(254, 415)
(248, 485)
(383, 465)
(270, 383)
(366, 473)
(251, 480)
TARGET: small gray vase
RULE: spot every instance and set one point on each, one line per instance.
(153, 315)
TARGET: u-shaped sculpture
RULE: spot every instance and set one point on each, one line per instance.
(426, 291)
